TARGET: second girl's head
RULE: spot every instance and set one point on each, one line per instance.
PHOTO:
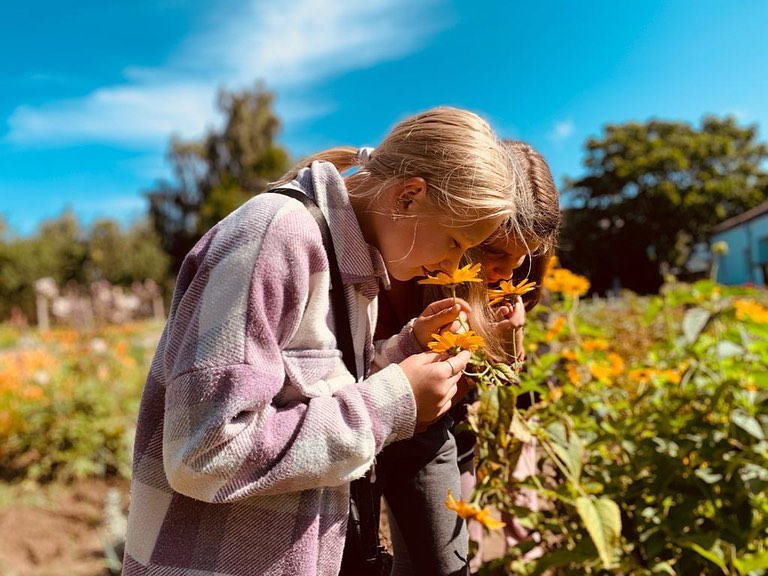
(520, 245)
(439, 184)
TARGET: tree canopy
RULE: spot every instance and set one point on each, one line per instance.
(68, 252)
(654, 189)
(216, 174)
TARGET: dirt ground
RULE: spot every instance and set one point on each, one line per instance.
(61, 532)
(55, 532)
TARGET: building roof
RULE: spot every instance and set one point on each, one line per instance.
(745, 216)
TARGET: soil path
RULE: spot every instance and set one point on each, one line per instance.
(60, 531)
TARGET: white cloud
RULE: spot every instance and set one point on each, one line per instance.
(127, 114)
(290, 44)
(562, 130)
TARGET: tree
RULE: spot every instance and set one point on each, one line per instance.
(68, 253)
(654, 189)
(216, 174)
(124, 257)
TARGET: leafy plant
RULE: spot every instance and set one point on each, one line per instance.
(68, 402)
(651, 417)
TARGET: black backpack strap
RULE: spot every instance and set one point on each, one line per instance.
(362, 552)
(338, 300)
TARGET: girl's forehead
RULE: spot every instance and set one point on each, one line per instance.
(470, 234)
(510, 244)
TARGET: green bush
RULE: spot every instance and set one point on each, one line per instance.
(651, 419)
(69, 401)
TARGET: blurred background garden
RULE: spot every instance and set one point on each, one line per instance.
(647, 368)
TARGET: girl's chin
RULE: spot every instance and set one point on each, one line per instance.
(405, 275)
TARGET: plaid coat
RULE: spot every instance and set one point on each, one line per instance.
(250, 427)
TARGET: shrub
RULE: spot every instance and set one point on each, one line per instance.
(69, 400)
(651, 417)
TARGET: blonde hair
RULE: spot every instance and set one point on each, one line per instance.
(538, 223)
(466, 167)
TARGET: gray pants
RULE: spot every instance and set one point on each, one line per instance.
(415, 476)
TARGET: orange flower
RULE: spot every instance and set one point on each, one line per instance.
(600, 372)
(749, 309)
(461, 508)
(466, 510)
(573, 374)
(565, 281)
(617, 363)
(468, 273)
(641, 375)
(672, 376)
(485, 518)
(454, 343)
(554, 330)
(507, 291)
(595, 344)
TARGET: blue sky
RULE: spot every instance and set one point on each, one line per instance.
(92, 93)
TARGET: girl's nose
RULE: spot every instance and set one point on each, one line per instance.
(451, 264)
(504, 268)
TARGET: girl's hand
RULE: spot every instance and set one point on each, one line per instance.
(510, 321)
(434, 379)
(443, 314)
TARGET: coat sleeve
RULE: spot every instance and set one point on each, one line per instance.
(258, 319)
(397, 348)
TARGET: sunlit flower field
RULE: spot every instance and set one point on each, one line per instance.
(649, 414)
(68, 400)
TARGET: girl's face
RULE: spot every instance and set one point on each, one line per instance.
(418, 246)
(415, 241)
(501, 257)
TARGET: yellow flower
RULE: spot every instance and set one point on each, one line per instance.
(595, 344)
(672, 376)
(485, 518)
(617, 363)
(454, 343)
(600, 372)
(507, 291)
(573, 374)
(555, 394)
(468, 273)
(565, 281)
(466, 510)
(749, 309)
(554, 330)
(641, 375)
(461, 508)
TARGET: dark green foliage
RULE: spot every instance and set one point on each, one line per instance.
(653, 189)
(64, 250)
(216, 174)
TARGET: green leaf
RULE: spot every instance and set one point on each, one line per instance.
(748, 423)
(663, 568)
(728, 349)
(491, 407)
(518, 429)
(708, 476)
(569, 448)
(602, 519)
(583, 552)
(714, 554)
(694, 322)
(751, 562)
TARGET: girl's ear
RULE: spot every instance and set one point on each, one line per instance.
(411, 195)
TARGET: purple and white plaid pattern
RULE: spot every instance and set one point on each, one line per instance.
(250, 427)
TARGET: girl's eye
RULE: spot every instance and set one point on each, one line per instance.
(455, 244)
